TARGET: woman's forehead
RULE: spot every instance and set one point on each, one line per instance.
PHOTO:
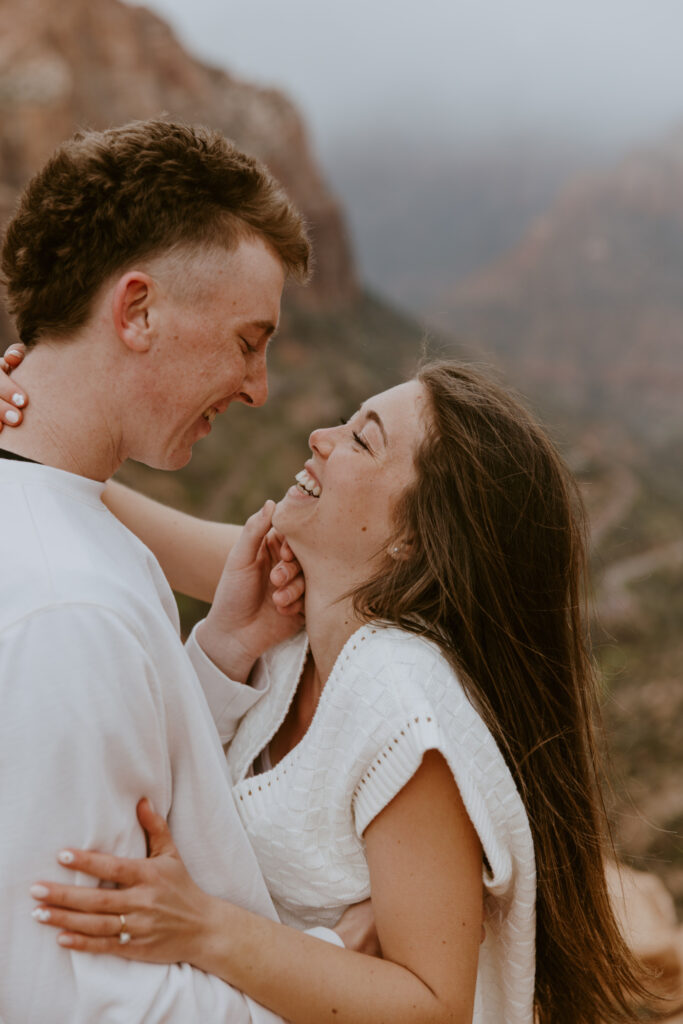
(400, 409)
(401, 397)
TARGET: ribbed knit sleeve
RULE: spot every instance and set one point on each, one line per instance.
(408, 701)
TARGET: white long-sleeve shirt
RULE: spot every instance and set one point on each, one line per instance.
(100, 704)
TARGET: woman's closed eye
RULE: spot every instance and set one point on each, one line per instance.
(357, 437)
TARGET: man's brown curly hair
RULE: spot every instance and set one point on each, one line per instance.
(106, 199)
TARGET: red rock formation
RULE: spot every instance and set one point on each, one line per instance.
(589, 305)
(647, 916)
(100, 62)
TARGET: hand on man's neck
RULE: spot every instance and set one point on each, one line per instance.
(71, 421)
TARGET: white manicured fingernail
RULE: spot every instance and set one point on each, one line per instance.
(65, 940)
(18, 400)
(39, 892)
(65, 857)
(13, 352)
(41, 914)
(11, 416)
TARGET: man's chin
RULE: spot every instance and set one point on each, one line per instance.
(169, 461)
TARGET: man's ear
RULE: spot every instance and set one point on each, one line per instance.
(131, 306)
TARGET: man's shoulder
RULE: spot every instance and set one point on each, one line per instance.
(61, 546)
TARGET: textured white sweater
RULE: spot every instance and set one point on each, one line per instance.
(390, 697)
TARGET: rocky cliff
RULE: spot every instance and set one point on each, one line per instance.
(589, 306)
(101, 62)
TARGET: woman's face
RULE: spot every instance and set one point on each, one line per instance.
(338, 516)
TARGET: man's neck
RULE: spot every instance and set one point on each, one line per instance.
(69, 423)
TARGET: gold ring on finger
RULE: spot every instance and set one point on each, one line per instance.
(124, 934)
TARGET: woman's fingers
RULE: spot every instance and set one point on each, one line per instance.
(14, 355)
(102, 925)
(119, 870)
(159, 838)
(12, 398)
(12, 401)
(89, 944)
(85, 899)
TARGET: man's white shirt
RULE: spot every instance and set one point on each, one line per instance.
(100, 704)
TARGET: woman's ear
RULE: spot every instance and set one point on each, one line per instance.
(399, 550)
(131, 306)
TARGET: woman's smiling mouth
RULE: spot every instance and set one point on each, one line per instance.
(308, 484)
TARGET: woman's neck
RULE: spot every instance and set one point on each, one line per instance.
(329, 624)
(330, 621)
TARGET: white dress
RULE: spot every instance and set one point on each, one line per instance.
(391, 696)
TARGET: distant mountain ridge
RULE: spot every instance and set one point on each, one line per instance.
(588, 306)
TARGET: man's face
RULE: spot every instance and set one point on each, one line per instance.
(209, 348)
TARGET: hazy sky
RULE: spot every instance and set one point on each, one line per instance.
(453, 67)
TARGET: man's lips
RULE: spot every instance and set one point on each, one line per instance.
(212, 411)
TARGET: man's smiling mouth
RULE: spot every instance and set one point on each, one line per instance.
(307, 484)
(210, 414)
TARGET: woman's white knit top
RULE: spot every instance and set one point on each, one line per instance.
(391, 696)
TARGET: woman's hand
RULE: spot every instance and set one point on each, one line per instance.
(156, 902)
(12, 398)
(248, 615)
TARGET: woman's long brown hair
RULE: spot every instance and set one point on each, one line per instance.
(494, 575)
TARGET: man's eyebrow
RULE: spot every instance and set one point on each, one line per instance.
(265, 326)
(370, 414)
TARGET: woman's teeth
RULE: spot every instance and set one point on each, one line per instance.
(308, 484)
(210, 414)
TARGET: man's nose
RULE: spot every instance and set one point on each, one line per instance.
(255, 387)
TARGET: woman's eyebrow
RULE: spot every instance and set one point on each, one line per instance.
(370, 414)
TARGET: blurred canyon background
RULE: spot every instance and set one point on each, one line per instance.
(548, 243)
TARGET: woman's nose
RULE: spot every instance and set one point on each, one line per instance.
(321, 441)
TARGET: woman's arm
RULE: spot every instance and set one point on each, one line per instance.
(426, 883)
(191, 551)
(426, 880)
